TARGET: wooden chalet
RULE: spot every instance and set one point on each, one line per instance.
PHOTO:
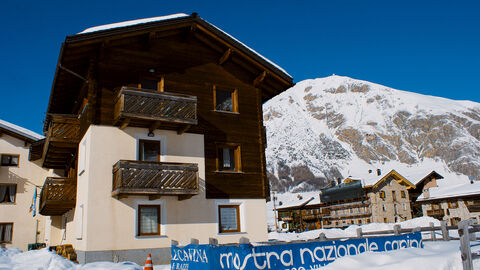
(176, 73)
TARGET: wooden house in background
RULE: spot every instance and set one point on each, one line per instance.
(452, 203)
(156, 128)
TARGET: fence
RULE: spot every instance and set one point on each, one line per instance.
(310, 254)
(467, 231)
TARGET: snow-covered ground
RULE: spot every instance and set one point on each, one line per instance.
(435, 255)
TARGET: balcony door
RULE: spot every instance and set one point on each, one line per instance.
(149, 150)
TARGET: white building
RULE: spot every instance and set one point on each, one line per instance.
(19, 178)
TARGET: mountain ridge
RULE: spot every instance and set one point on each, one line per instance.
(328, 128)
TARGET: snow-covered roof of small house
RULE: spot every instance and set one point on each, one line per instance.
(296, 200)
(451, 191)
(20, 131)
(413, 175)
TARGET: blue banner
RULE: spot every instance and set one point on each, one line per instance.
(300, 256)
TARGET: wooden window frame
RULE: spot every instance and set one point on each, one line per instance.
(403, 194)
(237, 207)
(237, 157)
(394, 196)
(139, 220)
(453, 204)
(234, 93)
(140, 148)
(382, 194)
(10, 165)
(11, 233)
(8, 192)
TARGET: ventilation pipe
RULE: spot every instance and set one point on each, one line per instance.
(379, 172)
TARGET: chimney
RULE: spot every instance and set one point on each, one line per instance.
(471, 179)
(369, 171)
(379, 172)
(339, 180)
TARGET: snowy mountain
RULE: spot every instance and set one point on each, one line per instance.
(335, 127)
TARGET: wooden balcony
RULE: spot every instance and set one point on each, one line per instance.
(151, 108)
(58, 196)
(61, 141)
(154, 179)
(436, 213)
(474, 207)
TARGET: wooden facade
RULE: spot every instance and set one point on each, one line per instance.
(104, 78)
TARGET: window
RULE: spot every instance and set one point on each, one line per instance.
(384, 207)
(453, 204)
(394, 197)
(10, 160)
(225, 99)
(8, 193)
(148, 220)
(6, 232)
(229, 218)
(402, 193)
(384, 220)
(404, 207)
(149, 150)
(228, 158)
(152, 84)
(382, 194)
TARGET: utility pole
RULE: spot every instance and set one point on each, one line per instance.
(275, 211)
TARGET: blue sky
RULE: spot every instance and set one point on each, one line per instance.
(429, 47)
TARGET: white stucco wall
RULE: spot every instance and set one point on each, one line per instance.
(27, 175)
(109, 223)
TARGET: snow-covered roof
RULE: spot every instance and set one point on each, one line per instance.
(175, 16)
(414, 174)
(289, 200)
(132, 22)
(451, 191)
(20, 130)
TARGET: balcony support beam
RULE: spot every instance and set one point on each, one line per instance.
(183, 130)
(125, 123)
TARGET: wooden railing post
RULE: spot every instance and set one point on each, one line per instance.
(465, 250)
(396, 229)
(243, 241)
(444, 229)
(359, 232)
(433, 236)
(194, 241)
(213, 241)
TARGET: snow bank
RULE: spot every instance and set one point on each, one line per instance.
(351, 231)
(43, 259)
(435, 256)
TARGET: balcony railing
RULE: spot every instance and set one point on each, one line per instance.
(61, 142)
(154, 178)
(57, 196)
(135, 104)
(435, 212)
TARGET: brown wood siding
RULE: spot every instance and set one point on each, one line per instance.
(243, 128)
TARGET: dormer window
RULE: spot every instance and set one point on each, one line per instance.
(225, 99)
